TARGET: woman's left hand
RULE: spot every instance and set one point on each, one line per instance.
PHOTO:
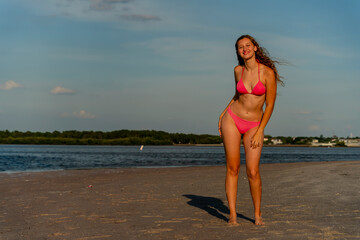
(257, 140)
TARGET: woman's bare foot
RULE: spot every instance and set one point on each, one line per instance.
(232, 221)
(259, 221)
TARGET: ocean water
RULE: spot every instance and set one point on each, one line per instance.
(14, 158)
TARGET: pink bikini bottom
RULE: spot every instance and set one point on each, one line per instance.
(242, 125)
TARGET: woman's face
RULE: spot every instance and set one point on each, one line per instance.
(246, 49)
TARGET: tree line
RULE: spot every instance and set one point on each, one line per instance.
(133, 137)
(119, 137)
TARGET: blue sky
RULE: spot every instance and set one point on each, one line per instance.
(168, 65)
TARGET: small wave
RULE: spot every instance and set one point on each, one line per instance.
(31, 171)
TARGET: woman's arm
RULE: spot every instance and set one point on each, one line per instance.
(270, 98)
(222, 114)
(236, 96)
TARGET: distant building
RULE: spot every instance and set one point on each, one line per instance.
(351, 142)
(315, 143)
(276, 141)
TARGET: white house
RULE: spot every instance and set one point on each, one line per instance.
(276, 141)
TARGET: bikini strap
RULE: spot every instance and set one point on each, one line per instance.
(259, 70)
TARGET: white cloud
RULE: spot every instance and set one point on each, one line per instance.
(62, 90)
(105, 5)
(314, 128)
(9, 85)
(140, 17)
(81, 114)
(95, 10)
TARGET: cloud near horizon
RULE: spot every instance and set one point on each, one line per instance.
(314, 128)
(9, 85)
(81, 114)
(140, 17)
(62, 91)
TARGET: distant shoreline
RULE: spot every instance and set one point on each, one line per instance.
(175, 145)
(276, 145)
(126, 137)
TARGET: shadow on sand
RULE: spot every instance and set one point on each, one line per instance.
(213, 206)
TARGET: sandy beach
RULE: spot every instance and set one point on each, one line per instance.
(300, 201)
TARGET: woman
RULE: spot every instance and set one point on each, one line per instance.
(255, 84)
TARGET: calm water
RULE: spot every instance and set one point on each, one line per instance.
(38, 158)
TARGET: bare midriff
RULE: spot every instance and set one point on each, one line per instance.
(249, 107)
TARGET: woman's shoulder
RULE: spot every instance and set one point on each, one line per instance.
(267, 71)
(265, 68)
(238, 68)
(267, 74)
(237, 72)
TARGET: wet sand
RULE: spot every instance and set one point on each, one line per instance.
(300, 201)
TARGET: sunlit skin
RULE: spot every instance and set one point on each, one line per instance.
(248, 107)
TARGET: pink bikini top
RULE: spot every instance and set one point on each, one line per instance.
(258, 90)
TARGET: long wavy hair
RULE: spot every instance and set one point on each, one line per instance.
(261, 55)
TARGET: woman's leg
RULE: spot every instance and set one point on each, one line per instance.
(253, 173)
(232, 139)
